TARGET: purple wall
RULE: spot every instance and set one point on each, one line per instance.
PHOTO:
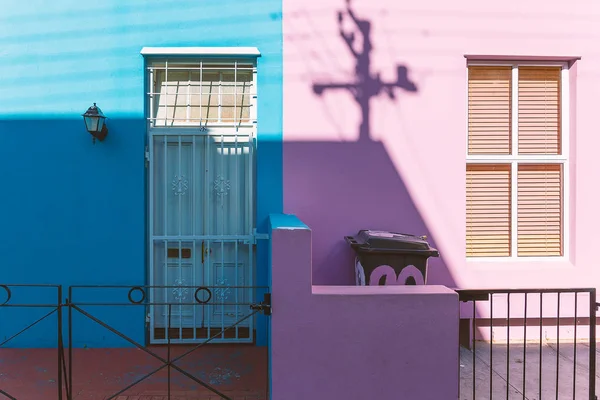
(348, 342)
(355, 157)
(359, 159)
(344, 188)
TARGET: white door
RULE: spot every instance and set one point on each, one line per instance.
(201, 235)
(201, 125)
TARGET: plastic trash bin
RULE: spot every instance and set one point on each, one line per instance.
(389, 258)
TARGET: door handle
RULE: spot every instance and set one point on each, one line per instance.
(205, 251)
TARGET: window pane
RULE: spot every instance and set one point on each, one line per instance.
(539, 110)
(236, 96)
(540, 204)
(490, 110)
(488, 210)
(171, 95)
(228, 164)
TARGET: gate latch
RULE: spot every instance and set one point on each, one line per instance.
(257, 236)
(264, 306)
(146, 156)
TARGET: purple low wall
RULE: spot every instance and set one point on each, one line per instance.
(348, 342)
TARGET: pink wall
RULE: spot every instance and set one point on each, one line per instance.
(410, 175)
(349, 342)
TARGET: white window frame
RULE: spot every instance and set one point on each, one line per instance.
(514, 159)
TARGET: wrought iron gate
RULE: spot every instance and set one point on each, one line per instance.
(533, 344)
(201, 231)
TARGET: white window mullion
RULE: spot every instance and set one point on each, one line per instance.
(200, 90)
(565, 135)
(166, 102)
(235, 85)
(514, 217)
(188, 100)
(151, 98)
(219, 110)
(545, 159)
(254, 98)
(514, 164)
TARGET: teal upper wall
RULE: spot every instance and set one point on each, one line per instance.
(59, 56)
(73, 212)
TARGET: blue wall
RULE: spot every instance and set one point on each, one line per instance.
(75, 213)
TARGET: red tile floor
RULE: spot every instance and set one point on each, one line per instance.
(239, 371)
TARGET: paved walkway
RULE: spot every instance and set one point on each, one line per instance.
(522, 377)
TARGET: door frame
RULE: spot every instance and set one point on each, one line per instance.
(249, 130)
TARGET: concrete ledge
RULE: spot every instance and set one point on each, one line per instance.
(394, 290)
(286, 221)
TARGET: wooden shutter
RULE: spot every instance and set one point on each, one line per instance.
(488, 210)
(539, 110)
(540, 217)
(490, 110)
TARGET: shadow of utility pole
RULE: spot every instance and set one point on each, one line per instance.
(368, 84)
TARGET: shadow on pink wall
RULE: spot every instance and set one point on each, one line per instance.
(338, 188)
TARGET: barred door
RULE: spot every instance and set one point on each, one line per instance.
(201, 199)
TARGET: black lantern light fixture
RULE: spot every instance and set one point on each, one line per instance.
(95, 123)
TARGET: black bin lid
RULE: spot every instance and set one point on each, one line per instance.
(391, 242)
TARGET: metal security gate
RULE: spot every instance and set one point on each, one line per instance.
(201, 208)
(532, 344)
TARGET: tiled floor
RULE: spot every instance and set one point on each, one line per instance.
(240, 372)
(520, 377)
(175, 396)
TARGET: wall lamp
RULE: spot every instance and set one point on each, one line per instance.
(95, 123)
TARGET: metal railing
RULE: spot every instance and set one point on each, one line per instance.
(530, 343)
(82, 304)
(25, 297)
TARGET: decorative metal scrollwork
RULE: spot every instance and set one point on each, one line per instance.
(136, 289)
(178, 292)
(179, 185)
(208, 295)
(8, 294)
(221, 186)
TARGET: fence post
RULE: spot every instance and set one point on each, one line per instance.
(59, 343)
(592, 368)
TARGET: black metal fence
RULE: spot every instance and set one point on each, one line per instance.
(528, 343)
(45, 299)
(521, 343)
(82, 305)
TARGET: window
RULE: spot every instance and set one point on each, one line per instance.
(206, 92)
(516, 160)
